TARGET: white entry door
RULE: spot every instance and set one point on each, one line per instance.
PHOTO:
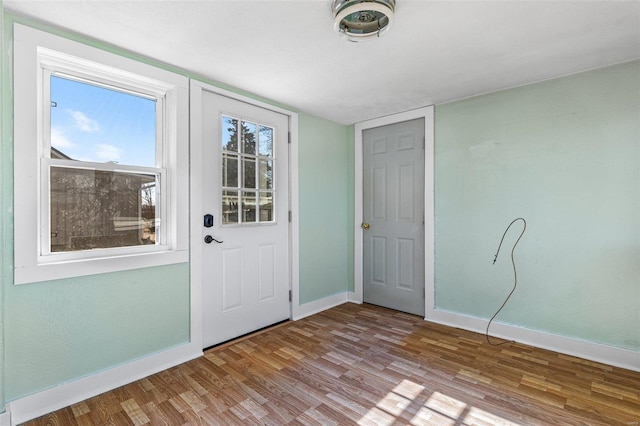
(393, 213)
(245, 218)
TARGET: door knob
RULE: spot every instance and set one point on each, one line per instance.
(209, 239)
(365, 226)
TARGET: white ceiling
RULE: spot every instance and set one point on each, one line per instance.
(437, 51)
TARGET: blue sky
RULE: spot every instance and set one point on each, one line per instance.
(91, 123)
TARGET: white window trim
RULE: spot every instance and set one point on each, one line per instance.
(55, 63)
(37, 53)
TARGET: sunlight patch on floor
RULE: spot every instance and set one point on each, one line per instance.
(376, 416)
(438, 409)
(446, 405)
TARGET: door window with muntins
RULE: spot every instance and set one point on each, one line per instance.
(248, 160)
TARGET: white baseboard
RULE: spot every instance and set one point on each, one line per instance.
(354, 298)
(618, 357)
(5, 419)
(46, 401)
(320, 305)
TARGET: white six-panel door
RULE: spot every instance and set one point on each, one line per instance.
(393, 216)
(245, 248)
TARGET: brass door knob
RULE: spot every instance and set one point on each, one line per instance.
(365, 226)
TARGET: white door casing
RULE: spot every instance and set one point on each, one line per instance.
(243, 283)
(428, 114)
(393, 212)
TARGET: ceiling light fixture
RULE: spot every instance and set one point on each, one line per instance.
(360, 20)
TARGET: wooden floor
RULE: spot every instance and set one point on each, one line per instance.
(361, 364)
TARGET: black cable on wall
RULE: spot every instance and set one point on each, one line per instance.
(515, 276)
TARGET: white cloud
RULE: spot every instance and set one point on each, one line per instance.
(59, 140)
(84, 123)
(107, 152)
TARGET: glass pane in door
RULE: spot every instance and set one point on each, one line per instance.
(229, 170)
(266, 141)
(229, 207)
(266, 174)
(249, 173)
(249, 138)
(266, 206)
(248, 207)
(229, 134)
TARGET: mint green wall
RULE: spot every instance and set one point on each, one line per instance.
(565, 155)
(325, 257)
(62, 330)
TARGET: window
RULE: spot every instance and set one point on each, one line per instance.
(103, 180)
(98, 167)
(247, 172)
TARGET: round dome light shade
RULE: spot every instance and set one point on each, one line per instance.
(361, 20)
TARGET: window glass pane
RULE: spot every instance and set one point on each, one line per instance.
(248, 207)
(229, 170)
(229, 207)
(266, 206)
(266, 141)
(229, 134)
(249, 138)
(97, 124)
(100, 209)
(266, 174)
(248, 172)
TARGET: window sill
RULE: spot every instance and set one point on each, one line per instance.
(83, 267)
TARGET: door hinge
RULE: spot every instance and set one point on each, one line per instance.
(289, 137)
(290, 215)
(290, 296)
